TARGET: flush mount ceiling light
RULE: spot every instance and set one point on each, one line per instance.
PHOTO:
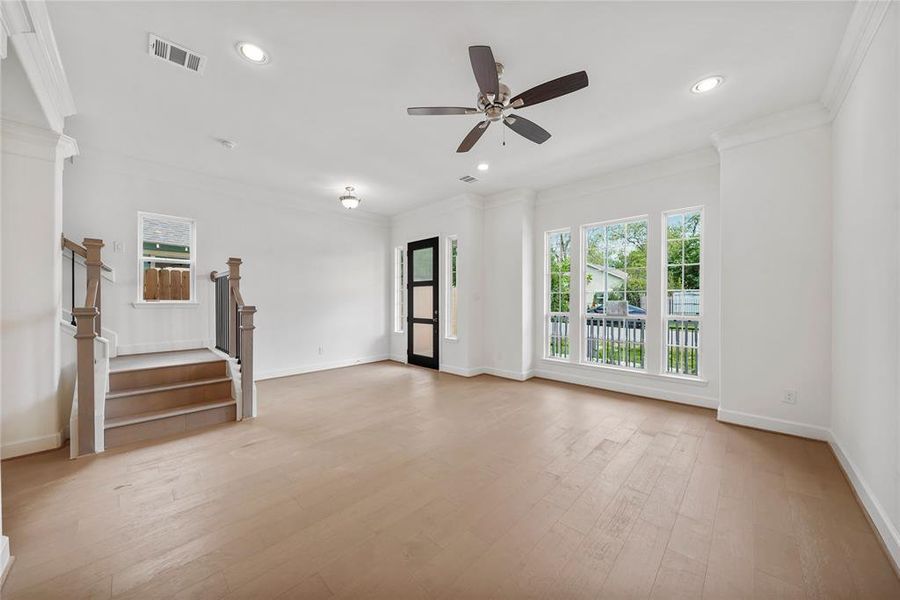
(707, 84)
(252, 52)
(349, 200)
(483, 166)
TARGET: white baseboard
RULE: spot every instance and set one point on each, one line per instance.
(735, 417)
(628, 388)
(517, 376)
(31, 445)
(162, 346)
(461, 371)
(877, 514)
(324, 366)
(6, 560)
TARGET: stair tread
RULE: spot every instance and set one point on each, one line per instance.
(154, 367)
(175, 411)
(162, 360)
(150, 389)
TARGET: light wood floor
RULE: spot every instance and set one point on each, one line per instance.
(385, 481)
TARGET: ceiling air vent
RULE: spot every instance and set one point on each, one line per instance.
(468, 179)
(176, 55)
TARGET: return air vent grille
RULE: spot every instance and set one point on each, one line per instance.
(468, 179)
(176, 54)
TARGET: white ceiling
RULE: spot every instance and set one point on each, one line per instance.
(329, 109)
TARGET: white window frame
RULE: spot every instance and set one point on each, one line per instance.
(664, 290)
(449, 333)
(548, 314)
(582, 308)
(141, 260)
(399, 289)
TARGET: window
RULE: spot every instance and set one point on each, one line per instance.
(558, 267)
(399, 289)
(452, 297)
(615, 293)
(683, 300)
(166, 258)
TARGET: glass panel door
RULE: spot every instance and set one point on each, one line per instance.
(423, 318)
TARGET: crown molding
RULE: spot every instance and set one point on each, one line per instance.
(774, 125)
(454, 203)
(520, 196)
(861, 30)
(32, 141)
(27, 25)
(96, 159)
(636, 174)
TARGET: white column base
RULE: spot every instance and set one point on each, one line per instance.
(6, 560)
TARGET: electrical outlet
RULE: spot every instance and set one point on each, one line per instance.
(321, 350)
(117, 247)
(790, 397)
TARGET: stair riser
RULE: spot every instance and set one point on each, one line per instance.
(160, 428)
(133, 405)
(126, 380)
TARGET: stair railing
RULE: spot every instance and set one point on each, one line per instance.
(87, 329)
(234, 328)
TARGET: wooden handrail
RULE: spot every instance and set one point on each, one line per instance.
(76, 248)
(68, 244)
(239, 300)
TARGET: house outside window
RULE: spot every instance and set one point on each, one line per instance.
(683, 230)
(399, 289)
(614, 265)
(452, 325)
(557, 282)
(166, 258)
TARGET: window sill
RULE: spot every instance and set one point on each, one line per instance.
(697, 381)
(167, 304)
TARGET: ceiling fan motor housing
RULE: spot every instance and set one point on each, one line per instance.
(501, 100)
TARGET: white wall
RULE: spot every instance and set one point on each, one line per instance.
(33, 411)
(461, 216)
(648, 190)
(776, 282)
(508, 284)
(316, 274)
(865, 415)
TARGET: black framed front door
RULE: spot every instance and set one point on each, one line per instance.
(423, 314)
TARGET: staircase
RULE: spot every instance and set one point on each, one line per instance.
(118, 400)
(166, 393)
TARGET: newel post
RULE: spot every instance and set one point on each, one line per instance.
(234, 283)
(247, 328)
(93, 265)
(85, 332)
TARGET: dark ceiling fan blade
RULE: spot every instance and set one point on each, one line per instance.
(551, 89)
(485, 69)
(440, 110)
(527, 129)
(473, 136)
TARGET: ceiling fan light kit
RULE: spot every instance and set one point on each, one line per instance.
(494, 100)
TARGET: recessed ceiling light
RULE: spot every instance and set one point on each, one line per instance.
(707, 84)
(483, 166)
(252, 52)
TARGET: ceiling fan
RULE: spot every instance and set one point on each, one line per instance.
(494, 100)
